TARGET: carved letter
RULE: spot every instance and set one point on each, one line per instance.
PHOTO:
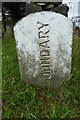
(41, 34)
(44, 44)
(42, 25)
(44, 53)
(45, 61)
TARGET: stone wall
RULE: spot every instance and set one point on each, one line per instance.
(57, 7)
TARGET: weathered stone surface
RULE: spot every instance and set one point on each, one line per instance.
(43, 42)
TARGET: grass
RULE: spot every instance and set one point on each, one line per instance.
(0, 62)
(21, 100)
(0, 77)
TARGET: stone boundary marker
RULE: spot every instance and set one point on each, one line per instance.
(43, 42)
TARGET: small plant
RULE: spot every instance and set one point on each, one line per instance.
(53, 112)
(49, 92)
(64, 112)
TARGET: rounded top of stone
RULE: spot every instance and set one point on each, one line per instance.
(40, 15)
